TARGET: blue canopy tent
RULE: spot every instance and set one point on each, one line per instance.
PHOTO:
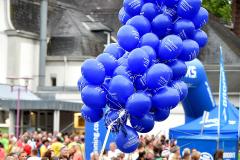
(210, 126)
(189, 135)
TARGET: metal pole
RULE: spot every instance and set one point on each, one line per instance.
(18, 112)
(43, 41)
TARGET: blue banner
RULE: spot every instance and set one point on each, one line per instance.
(94, 137)
(223, 98)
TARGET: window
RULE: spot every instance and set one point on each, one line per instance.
(53, 81)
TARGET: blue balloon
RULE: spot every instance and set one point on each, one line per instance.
(122, 70)
(94, 96)
(140, 82)
(170, 3)
(127, 139)
(149, 39)
(128, 37)
(188, 8)
(123, 16)
(90, 114)
(200, 37)
(109, 62)
(170, 12)
(138, 61)
(181, 87)
(138, 104)
(161, 114)
(113, 103)
(112, 117)
(184, 28)
(133, 7)
(179, 69)
(201, 18)
(190, 50)
(151, 53)
(140, 23)
(122, 61)
(91, 66)
(170, 47)
(82, 83)
(161, 25)
(115, 50)
(165, 98)
(158, 76)
(106, 83)
(144, 124)
(121, 88)
(149, 10)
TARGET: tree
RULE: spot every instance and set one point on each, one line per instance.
(219, 8)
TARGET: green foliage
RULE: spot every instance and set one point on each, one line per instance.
(219, 8)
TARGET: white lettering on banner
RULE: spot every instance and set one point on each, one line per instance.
(209, 93)
(96, 136)
(206, 156)
(229, 155)
(224, 94)
(191, 72)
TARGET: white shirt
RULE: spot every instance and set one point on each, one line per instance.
(34, 158)
(112, 154)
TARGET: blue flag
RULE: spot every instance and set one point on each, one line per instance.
(94, 137)
(223, 98)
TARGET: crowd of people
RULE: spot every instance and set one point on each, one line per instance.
(57, 146)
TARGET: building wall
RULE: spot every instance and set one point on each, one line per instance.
(23, 59)
(67, 73)
(3, 42)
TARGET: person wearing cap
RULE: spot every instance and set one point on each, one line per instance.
(44, 147)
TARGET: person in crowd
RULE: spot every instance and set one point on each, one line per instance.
(4, 139)
(2, 152)
(75, 152)
(57, 145)
(113, 151)
(186, 154)
(94, 156)
(105, 155)
(64, 153)
(22, 156)
(34, 155)
(175, 153)
(218, 155)
(195, 155)
(44, 147)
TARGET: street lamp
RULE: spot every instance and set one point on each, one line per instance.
(19, 89)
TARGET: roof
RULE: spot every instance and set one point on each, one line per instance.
(7, 94)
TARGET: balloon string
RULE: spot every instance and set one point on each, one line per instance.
(109, 94)
(121, 114)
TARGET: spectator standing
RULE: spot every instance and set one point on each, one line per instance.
(34, 155)
(4, 140)
(2, 152)
(186, 154)
(175, 153)
(218, 155)
(56, 146)
(113, 152)
(44, 147)
(195, 155)
(22, 156)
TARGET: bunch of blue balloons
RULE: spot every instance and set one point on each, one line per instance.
(141, 74)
